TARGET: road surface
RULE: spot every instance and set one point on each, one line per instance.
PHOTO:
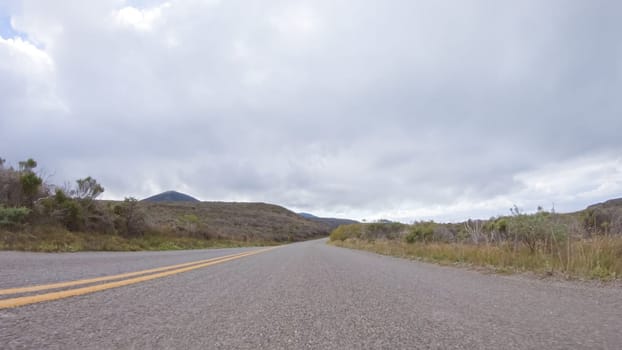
(301, 296)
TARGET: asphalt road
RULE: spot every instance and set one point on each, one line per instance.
(304, 295)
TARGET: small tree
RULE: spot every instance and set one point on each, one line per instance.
(27, 165)
(88, 189)
(29, 181)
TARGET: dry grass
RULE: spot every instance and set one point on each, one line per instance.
(53, 239)
(597, 258)
(236, 221)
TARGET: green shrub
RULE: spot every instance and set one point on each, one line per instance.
(11, 217)
(539, 229)
(129, 218)
(421, 232)
(383, 229)
(344, 232)
(65, 210)
(72, 215)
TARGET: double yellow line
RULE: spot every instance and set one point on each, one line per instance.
(118, 281)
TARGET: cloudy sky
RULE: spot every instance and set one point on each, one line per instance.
(398, 109)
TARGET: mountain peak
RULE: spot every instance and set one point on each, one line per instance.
(171, 196)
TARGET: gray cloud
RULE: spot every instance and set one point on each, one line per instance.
(404, 110)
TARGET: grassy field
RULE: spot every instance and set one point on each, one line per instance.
(52, 239)
(596, 258)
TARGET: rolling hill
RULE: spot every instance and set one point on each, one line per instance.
(330, 222)
(181, 214)
(230, 220)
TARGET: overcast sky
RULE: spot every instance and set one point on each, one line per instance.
(398, 109)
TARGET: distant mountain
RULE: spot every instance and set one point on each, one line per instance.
(612, 203)
(171, 196)
(330, 222)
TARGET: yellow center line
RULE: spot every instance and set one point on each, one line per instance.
(37, 288)
(20, 301)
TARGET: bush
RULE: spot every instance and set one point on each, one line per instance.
(130, 220)
(72, 215)
(603, 220)
(10, 187)
(11, 217)
(382, 229)
(421, 232)
(63, 210)
(536, 229)
(496, 229)
(344, 232)
(20, 187)
(30, 186)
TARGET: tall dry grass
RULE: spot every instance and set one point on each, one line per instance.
(596, 258)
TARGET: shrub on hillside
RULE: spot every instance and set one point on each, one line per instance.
(602, 220)
(66, 210)
(496, 229)
(382, 230)
(344, 232)
(75, 212)
(421, 232)
(13, 217)
(539, 229)
(130, 219)
(21, 187)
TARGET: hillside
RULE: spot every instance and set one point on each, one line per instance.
(612, 203)
(131, 225)
(333, 223)
(171, 196)
(236, 221)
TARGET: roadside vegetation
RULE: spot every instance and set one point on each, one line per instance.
(55, 239)
(38, 216)
(587, 244)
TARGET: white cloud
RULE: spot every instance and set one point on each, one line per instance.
(141, 19)
(29, 83)
(296, 20)
(582, 179)
(402, 110)
(22, 55)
